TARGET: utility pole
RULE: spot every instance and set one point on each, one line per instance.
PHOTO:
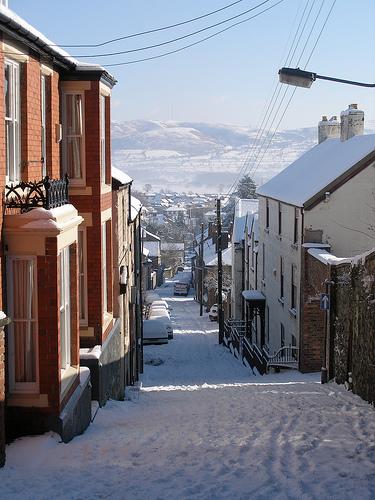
(219, 274)
(201, 272)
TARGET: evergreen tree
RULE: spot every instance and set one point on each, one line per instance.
(246, 187)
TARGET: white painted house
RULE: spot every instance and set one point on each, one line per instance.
(244, 211)
(325, 199)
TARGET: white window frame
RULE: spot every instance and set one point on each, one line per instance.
(82, 274)
(103, 162)
(22, 387)
(104, 269)
(13, 158)
(80, 181)
(43, 106)
(65, 309)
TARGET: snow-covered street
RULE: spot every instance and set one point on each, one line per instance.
(205, 428)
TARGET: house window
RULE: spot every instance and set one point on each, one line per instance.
(268, 325)
(102, 138)
(282, 335)
(73, 135)
(295, 236)
(65, 334)
(82, 274)
(23, 330)
(294, 288)
(12, 120)
(104, 268)
(267, 213)
(280, 218)
(281, 278)
(264, 261)
(43, 85)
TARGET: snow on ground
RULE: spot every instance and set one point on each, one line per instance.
(205, 428)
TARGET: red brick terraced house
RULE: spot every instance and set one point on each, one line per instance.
(57, 279)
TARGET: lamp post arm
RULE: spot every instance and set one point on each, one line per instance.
(348, 82)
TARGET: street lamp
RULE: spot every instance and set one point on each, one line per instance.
(301, 78)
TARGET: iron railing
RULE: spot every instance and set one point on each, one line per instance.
(46, 193)
(285, 357)
(236, 340)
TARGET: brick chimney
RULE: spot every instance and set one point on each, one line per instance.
(328, 129)
(352, 122)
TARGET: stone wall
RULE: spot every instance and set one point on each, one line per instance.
(353, 326)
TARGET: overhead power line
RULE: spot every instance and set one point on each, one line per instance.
(295, 88)
(194, 43)
(255, 147)
(155, 30)
(161, 44)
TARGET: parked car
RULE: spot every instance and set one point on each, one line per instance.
(154, 332)
(181, 288)
(167, 322)
(213, 314)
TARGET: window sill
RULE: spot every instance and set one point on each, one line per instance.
(252, 269)
(293, 312)
(279, 237)
(263, 282)
(267, 230)
(294, 246)
(281, 300)
(68, 376)
(105, 188)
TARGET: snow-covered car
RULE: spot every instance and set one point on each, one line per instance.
(167, 322)
(158, 310)
(160, 302)
(213, 313)
(154, 332)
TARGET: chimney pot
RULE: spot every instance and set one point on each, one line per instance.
(352, 122)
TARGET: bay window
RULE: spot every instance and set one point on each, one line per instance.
(12, 120)
(102, 139)
(82, 273)
(23, 330)
(43, 85)
(104, 268)
(65, 334)
(73, 143)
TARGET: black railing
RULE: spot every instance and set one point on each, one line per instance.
(235, 339)
(46, 193)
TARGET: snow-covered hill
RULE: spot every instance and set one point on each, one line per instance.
(184, 156)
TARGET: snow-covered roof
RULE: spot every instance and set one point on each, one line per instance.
(239, 228)
(150, 236)
(172, 246)
(16, 23)
(136, 206)
(226, 257)
(253, 227)
(153, 247)
(317, 169)
(121, 176)
(245, 206)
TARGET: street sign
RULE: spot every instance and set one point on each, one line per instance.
(324, 302)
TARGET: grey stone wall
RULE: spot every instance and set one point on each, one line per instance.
(108, 372)
(353, 326)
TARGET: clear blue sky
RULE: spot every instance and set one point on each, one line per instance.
(229, 78)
